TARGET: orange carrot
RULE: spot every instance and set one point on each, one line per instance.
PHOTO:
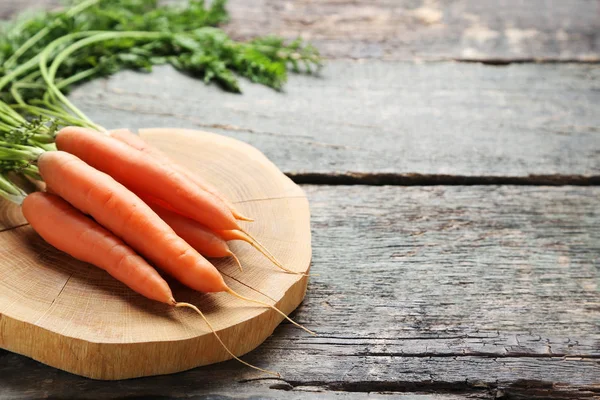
(197, 233)
(127, 216)
(143, 174)
(138, 143)
(133, 140)
(67, 229)
(116, 208)
(205, 241)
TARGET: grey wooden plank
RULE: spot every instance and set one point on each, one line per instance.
(480, 30)
(383, 117)
(318, 377)
(473, 291)
(11, 8)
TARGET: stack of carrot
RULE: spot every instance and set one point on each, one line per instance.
(115, 202)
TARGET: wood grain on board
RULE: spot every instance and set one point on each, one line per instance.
(478, 291)
(378, 117)
(75, 317)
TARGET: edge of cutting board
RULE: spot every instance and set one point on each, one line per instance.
(72, 316)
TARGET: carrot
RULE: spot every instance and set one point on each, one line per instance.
(200, 238)
(143, 174)
(135, 141)
(116, 208)
(154, 177)
(197, 235)
(67, 229)
(113, 206)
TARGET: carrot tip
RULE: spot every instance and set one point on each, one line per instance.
(242, 218)
(193, 307)
(237, 260)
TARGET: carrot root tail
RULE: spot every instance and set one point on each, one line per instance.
(193, 307)
(263, 250)
(241, 217)
(239, 296)
(237, 260)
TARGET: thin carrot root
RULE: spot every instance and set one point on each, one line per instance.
(237, 260)
(193, 307)
(259, 246)
(239, 296)
(240, 217)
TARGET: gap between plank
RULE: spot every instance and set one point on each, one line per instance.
(520, 389)
(500, 62)
(411, 179)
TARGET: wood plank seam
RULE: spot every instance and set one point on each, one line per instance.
(496, 390)
(501, 62)
(414, 179)
(471, 120)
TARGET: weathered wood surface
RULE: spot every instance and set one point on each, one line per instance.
(390, 122)
(475, 30)
(479, 291)
(473, 292)
(465, 120)
(10, 8)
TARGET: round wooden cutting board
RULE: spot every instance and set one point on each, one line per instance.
(75, 317)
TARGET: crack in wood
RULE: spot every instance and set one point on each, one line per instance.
(63, 288)
(523, 389)
(415, 179)
(10, 228)
(475, 354)
(268, 199)
(249, 287)
(57, 296)
(462, 387)
(501, 62)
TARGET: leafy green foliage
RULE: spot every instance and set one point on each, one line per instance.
(109, 15)
(37, 129)
(112, 35)
(194, 44)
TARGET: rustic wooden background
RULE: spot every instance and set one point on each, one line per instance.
(451, 154)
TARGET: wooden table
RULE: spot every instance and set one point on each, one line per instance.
(451, 154)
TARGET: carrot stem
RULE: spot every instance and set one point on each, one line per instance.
(239, 296)
(44, 32)
(11, 191)
(49, 73)
(193, 307)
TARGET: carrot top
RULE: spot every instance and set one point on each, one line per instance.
(46, 55)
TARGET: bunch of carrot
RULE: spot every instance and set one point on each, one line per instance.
(111, 199)
(117, 203)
